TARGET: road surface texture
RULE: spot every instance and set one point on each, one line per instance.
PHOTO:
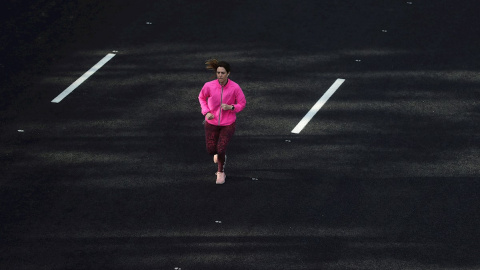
(116, 175)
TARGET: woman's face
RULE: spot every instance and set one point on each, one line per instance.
(222, 75)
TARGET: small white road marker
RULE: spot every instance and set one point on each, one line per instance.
(83, 78)
(317, 106)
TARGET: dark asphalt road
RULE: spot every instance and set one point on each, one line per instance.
(116, 176)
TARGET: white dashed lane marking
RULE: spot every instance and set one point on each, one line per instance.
(317, 106)
(83, 78)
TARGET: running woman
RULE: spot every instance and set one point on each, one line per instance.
(221, 100)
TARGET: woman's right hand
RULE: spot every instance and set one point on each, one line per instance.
(209, 116)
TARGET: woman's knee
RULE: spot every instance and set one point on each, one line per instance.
(221, 151)
(211, 150)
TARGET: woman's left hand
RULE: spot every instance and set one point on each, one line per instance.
(227, 107)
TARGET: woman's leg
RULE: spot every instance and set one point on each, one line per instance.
(211, 138)
(226, 133)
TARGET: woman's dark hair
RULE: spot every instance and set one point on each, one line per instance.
(213, 64)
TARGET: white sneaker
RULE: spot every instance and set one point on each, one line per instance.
(220, 178)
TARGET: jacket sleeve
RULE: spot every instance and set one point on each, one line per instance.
(202, 98)
(240, 100)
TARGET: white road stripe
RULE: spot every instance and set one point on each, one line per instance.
(84, 77)
(318, 106)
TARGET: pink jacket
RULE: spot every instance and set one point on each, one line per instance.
(213, 95)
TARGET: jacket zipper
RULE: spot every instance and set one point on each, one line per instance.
(221, 101)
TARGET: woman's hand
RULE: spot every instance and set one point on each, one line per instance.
(209, 116)
(227, 107)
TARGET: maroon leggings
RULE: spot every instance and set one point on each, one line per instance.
(217, 138)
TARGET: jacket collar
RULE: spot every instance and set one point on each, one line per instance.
(228, 80)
